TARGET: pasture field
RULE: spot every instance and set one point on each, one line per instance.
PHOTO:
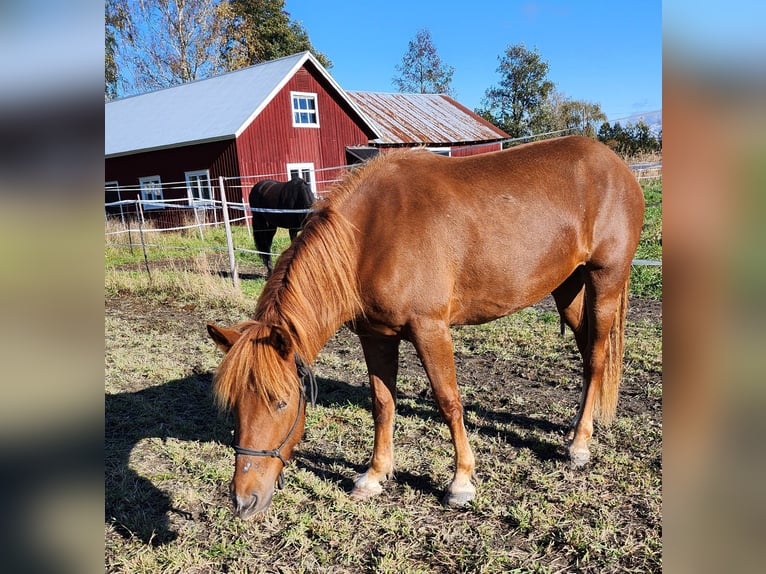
(168, 460)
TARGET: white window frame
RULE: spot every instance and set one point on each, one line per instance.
(297, 111)
(193, 183)
(306, 172)
(151, 190)
(113, 185)
(445, 151)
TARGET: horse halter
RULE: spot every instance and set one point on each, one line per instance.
(307, 377)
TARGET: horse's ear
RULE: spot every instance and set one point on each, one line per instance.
(281, 340)
(223, 338)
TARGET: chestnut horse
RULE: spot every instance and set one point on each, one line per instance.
(410, 244)
(268, 199)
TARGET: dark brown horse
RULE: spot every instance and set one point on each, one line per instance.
(278, 204)
(413, 243)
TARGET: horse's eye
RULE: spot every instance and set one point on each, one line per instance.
(281, 405)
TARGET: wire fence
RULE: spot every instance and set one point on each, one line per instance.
(136, 220)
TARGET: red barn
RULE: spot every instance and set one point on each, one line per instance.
(283, 116)
(271, 120)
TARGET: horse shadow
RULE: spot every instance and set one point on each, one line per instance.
(181, 409)
(544, 450)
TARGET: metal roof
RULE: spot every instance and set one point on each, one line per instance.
(431, 119)
(206, 110)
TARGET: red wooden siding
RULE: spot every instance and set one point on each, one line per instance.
(271, 141)
(460, 151)
(172, 164)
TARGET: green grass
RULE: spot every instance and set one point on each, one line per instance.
(646, 281)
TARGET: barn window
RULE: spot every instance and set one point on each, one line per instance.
(305, 112)
(151, 190)
(198, 186)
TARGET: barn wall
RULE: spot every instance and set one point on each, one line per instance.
(461, 151)
(271, 141)
(172, 164)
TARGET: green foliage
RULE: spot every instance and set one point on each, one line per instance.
(631, 139)
(421, 70)
(157, 44)
(261, 30)
(152, 44)
(559, 113)
(515, 102)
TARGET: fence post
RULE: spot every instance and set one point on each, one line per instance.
(199, 225)
(143, 244)
(229, 240)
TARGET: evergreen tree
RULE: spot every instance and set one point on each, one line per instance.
(421, 70)
(261, 30)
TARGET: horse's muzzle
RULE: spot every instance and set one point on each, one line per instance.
(247, 506)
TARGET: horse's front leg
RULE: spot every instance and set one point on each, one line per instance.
(382, 357)
(433, 342)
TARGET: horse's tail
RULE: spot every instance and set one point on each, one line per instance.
(606, 401)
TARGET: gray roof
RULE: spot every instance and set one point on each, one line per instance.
(206, 110)
(432, 119)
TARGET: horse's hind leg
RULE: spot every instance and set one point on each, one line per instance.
(382, 357)
(433, 342)
(603, 292)
(570, 302)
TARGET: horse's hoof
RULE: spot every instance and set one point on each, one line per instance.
(458, 499)
(578, 458)
(365, 488)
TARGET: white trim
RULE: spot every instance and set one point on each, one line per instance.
(142, 181)
(441, 150)
(189, 188)
(281, 84)
(308, 96)
(114, 184)
(308, 56)
(302, 168)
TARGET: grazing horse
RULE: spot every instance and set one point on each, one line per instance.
(409, 245)
(277, 195)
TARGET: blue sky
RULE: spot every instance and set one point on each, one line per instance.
(608, 52)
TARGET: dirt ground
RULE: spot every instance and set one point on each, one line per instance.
(479, 367)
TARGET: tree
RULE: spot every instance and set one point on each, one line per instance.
(422, 70)
(161, 43)
(558, 113)
(514, 104)
(151, 44)
(261, 30)
(114, 20)
(631, 139)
